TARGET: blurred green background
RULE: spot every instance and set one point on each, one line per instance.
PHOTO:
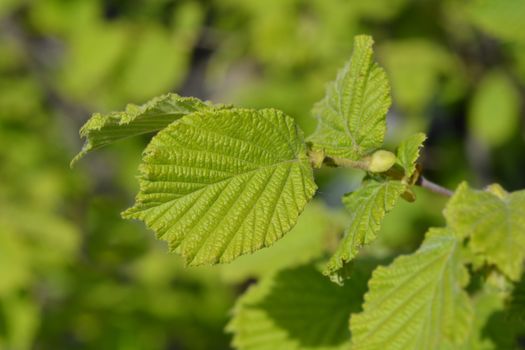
(75, 275)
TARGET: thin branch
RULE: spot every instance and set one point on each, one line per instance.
(346, 163)
(433, 187)
(318, 159)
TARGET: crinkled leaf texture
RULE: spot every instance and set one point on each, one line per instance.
(408, 153)
(352, 115)
(417, 302)
(219, 184)
(367, 206)
(495, 222)
(296, 309)
(103, 129)
(305, 242)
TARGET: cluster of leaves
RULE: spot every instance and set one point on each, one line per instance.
(446, 60)
(218, 182)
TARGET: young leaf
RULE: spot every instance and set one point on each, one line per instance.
(352, 115)
(367, 206)
(219, 184)
(495, 222)
(408, 153)
(417, 302)
(296, 309)
(103, 129)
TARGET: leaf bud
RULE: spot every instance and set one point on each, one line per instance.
(381, 161)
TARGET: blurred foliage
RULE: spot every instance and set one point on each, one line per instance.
(74, 275)
(495, 96)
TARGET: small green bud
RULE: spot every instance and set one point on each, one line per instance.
(381, 161)
(316, 158)
(409, 195)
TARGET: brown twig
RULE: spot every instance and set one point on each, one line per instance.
(433, 187)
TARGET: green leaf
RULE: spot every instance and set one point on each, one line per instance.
(103, 129)
(352, 115)
(417, 302)
(219, 184)
(296, 309)
(487, 305)
(517, 302)
(495, 223)
(493, 326)
(408, 153)
(367, 206)
(305, 242)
